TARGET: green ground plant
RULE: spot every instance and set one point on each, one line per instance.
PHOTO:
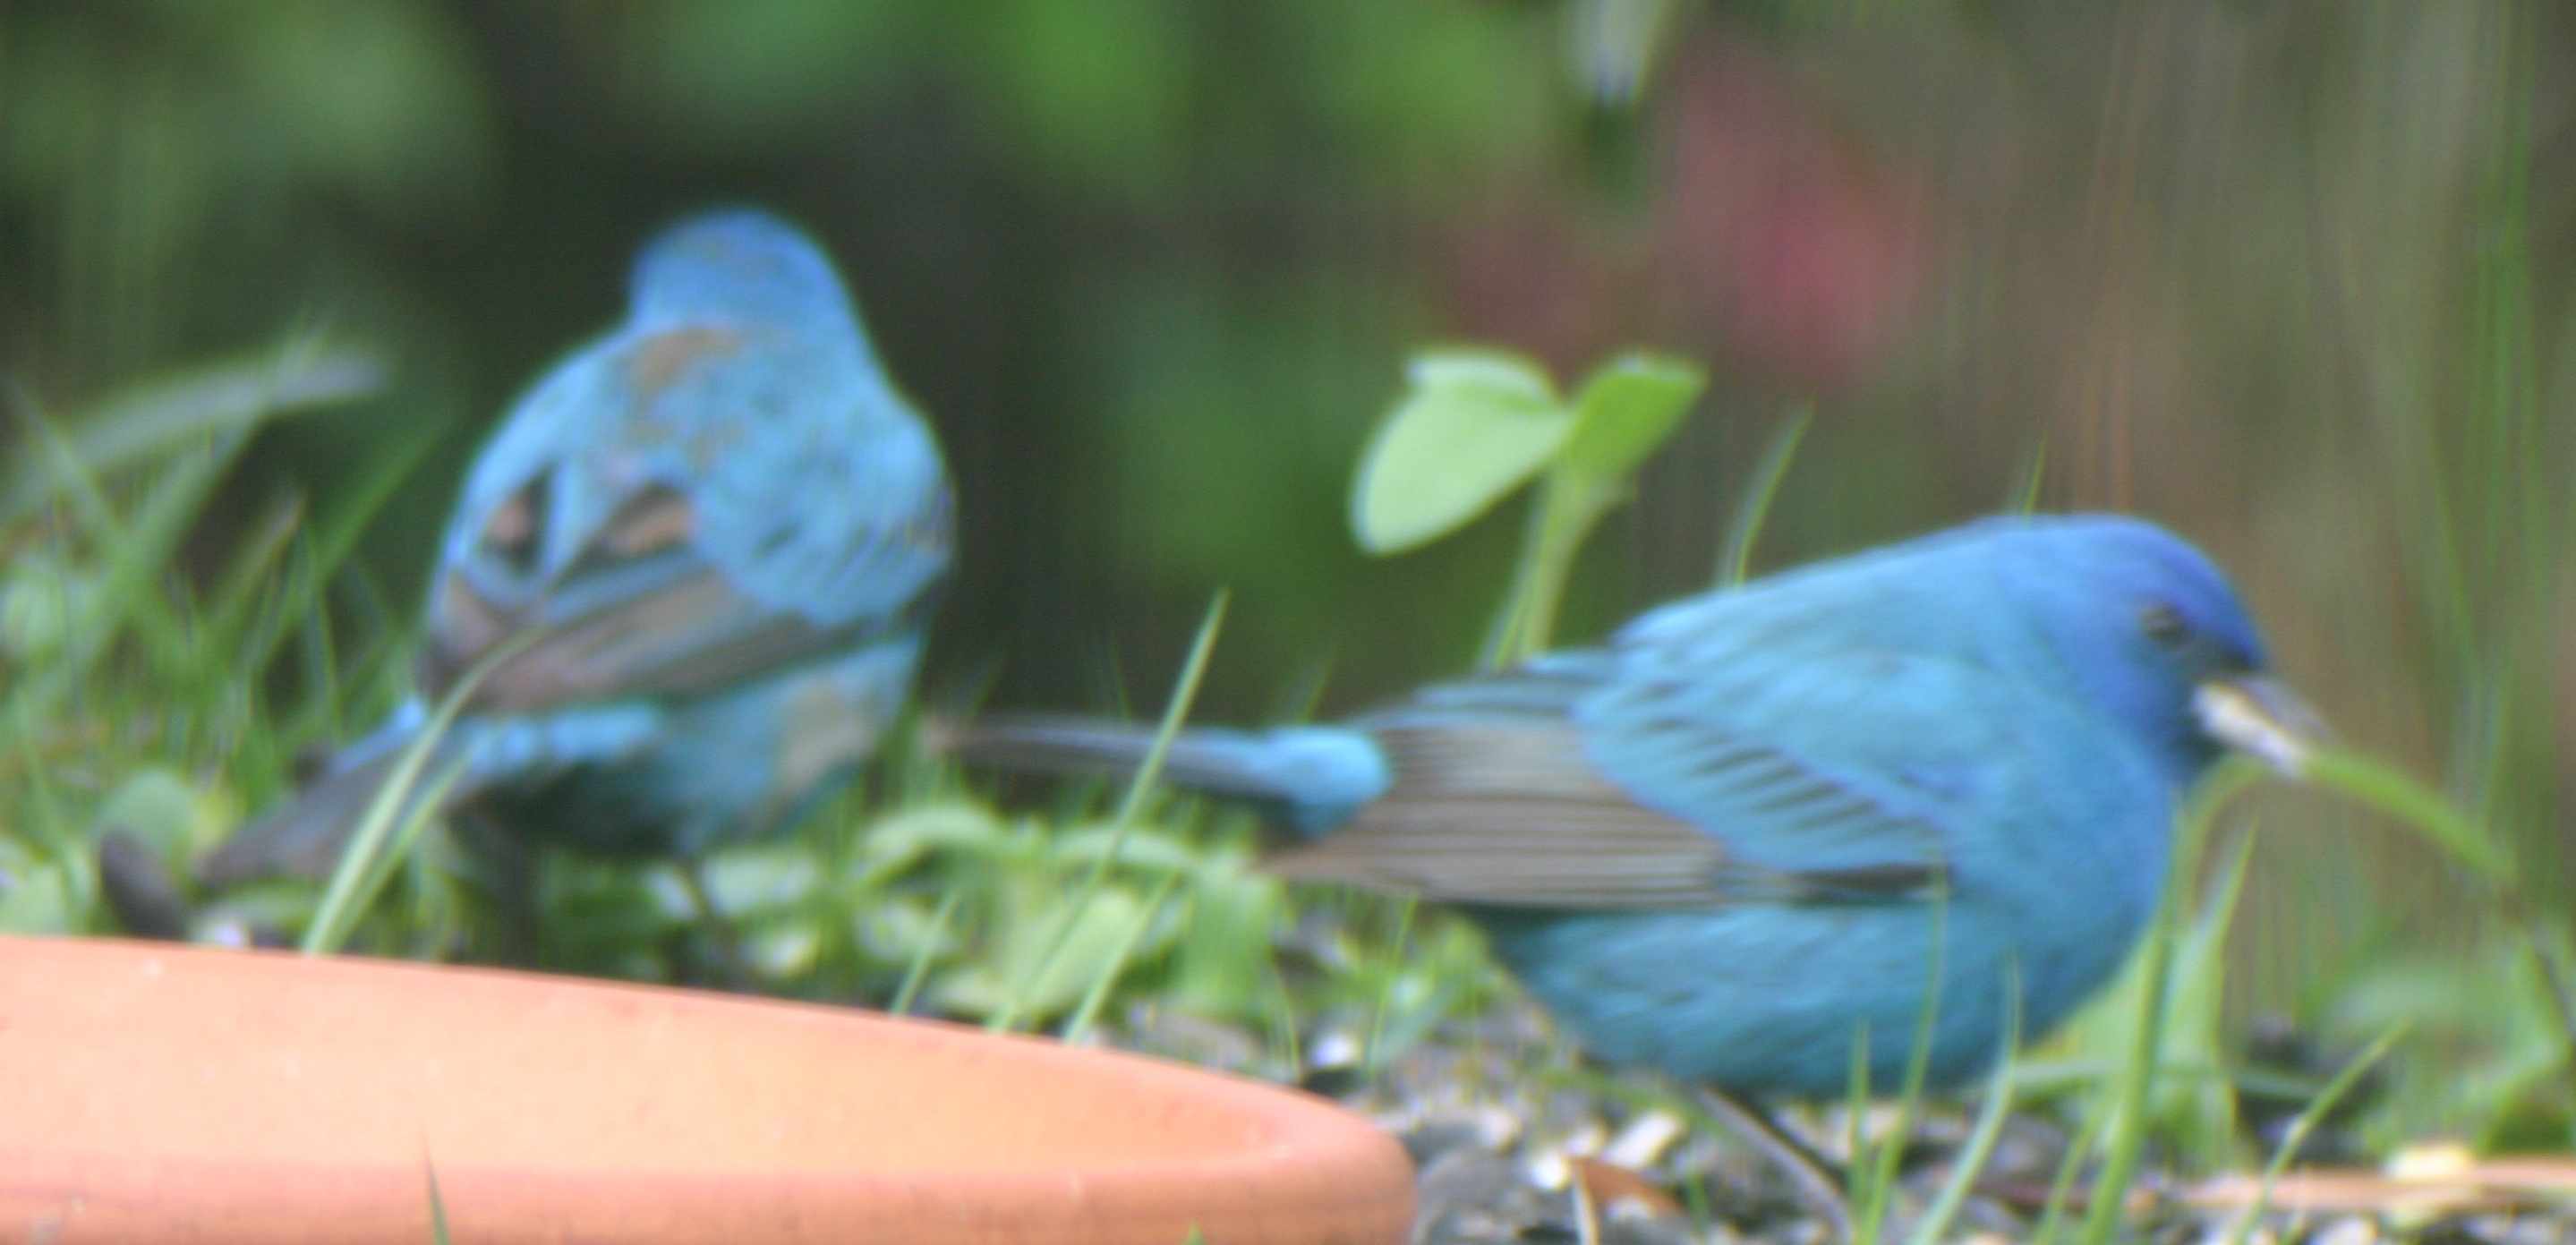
(127, 711)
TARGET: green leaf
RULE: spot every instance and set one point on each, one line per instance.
(1627, 408)
(761, 879)
(40, 598)
(1478, 368)
(303, 374)
(2392, 791)
(161, 808)
(1048, 954)
(1471, 426)
(1224, 950)
(900, 928)
(900, 839)
(785, 952)
(1186, 690)
(42, 901)
(1087, 1012)
(1136, 849)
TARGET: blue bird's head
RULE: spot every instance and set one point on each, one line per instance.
(739, 263)
(2149, 630)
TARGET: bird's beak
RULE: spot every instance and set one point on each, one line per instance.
(2261, 718)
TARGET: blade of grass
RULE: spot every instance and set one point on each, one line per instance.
(1935, 1224)
(2127, 1133)
(2393, 792)
(392, 822)
(258, 557)
(1697, 1204)
(2024, 497)
(1282, 1017)
(256, 568)
(380, 867)
(1088, 1010)
(437, 1204)
(2192, 1011)
(1746, 528)
(1856, 1099)
(1175, 711)
(1714, 1113)
(301, 374)
(1372, 1054)
(331, 538)
(139, 552)
(50, 828)
(347, 894)
(1873, 1197)
(2052, 1215)
(371, 667)
(2042, 1076)
(918, 970)
(2306, 1122)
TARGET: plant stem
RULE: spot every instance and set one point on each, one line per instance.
(1569, 506)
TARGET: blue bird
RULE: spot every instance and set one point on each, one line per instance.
(1726, 843)
(697, 559)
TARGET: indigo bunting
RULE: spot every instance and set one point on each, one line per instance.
(696, 562)
(1754, 825)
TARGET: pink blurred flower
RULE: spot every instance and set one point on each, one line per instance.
(1801, 248)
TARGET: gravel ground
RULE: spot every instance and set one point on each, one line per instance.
(1507, 1156)
(1511, 1147)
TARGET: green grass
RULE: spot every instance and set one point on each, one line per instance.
(1086, 900)
(141, 699)
(2305, 1124)
(2399, 352)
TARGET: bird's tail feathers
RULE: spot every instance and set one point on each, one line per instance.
(139, 888)
(1307, 776)
(304, 836)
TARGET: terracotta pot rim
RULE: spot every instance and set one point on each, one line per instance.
(1032, 1046)
(289, 1098)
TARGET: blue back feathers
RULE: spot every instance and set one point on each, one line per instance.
(709, 540)
(1726, 840)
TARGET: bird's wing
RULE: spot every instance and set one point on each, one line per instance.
(1623, 780)
(751, 506)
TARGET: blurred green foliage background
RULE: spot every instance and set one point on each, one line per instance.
(2284, 274)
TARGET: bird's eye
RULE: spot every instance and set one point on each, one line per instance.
(2163, 624)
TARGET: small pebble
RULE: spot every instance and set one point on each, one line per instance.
(1495, 1141)
(232, 933)
(1551, 1170)
(1334, 1048)
(1585, 1139)
(2429, 1160)
(1644, 1140)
